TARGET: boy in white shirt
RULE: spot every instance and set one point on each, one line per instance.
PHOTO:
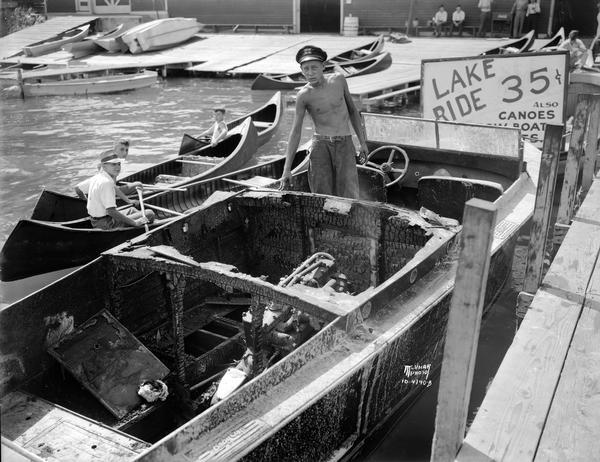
(218, 129)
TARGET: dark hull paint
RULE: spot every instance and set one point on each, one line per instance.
(351, 69)
(268, 114)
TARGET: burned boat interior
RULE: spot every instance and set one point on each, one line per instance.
(233, 287)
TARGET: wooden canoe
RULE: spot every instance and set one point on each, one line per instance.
(554, 42)
(349, 69)
(78, 83)
(520, 45)
(364, 52)
(266, 119)
(160, 34)
(82, 48)
(55, 43)
(229, 155)
(35, 246)
(109, 41)
(181, 290)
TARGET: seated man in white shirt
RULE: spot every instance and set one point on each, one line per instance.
(458, 19)
(101, 202)
(439, 20)
(121, 149)
(576, 48)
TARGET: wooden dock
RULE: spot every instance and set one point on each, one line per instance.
(13, 43)
(251, 54)
(544, 403)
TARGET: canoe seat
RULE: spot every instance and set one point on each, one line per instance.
(170, 179)
(260, 124)
(447, 195)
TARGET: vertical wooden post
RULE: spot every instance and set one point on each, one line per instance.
(176, 284)
(591, 144)
(462, 336)
(541, 216)
(569, 188)
(411, 14)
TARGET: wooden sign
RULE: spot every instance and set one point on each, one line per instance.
(524, 91)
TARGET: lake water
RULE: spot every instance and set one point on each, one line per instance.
(54, 142)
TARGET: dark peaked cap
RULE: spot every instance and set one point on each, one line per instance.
(310, 53)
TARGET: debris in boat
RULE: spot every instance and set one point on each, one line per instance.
(437, 220)
(152, 390)
(278, 329)
(337, 206)
(59, 326)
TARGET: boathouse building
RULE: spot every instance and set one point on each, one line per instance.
(331, 15)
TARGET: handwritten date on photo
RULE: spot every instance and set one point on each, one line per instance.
(417, 374)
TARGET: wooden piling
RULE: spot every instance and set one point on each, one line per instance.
(591, 145)
(541, 216)
(462, 336)
(568, 195)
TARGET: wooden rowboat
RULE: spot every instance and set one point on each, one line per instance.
(349, 69)
(109, 40)
(80, 82)
(520, 45)
(266, 119)
(159, 34)
(365, 287)
(56, 42)
(36, 246)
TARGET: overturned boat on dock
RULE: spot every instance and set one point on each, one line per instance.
(270, 325)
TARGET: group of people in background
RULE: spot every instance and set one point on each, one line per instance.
(525, 14)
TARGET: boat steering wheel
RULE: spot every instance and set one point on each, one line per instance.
(388, 167)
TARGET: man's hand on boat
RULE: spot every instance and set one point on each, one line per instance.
(361, 156)
(285, 182)
(139, 222)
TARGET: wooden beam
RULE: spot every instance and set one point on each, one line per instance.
(541, 215)
(591, 144)
(569, 188)
(462, 336)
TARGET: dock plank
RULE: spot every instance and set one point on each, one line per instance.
(571, 430)
(574, 262)
(589, 212)
(509, 423)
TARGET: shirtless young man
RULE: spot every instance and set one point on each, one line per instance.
(326, 98)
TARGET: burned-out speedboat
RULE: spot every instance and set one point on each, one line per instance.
(266, 325)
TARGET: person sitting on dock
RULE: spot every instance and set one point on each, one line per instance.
(576, 49)
(458, 19)
(218, 129)
(101, 201)
(326, 98)
(439, 21)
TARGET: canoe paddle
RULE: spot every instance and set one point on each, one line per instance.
(141, 198)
